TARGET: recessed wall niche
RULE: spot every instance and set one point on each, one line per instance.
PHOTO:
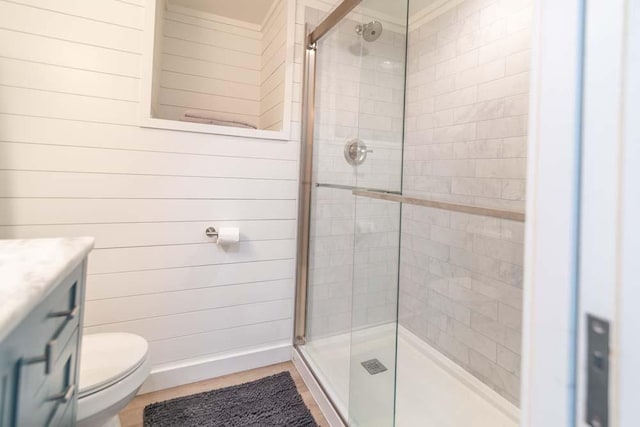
(220, 66)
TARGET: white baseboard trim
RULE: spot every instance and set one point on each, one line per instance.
(180, 373)
(329, 412)
(464, 376)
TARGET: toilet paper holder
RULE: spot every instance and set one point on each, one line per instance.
(211, 232)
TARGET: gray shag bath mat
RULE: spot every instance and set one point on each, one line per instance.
(270, 401)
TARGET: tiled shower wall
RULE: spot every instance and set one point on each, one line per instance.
(465, 141)
(354, 245)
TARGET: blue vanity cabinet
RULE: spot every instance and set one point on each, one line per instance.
(39, 359)
(8, 383)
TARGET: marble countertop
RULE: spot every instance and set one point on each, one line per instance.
(28, 271)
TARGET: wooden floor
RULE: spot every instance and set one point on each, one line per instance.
(131, 416)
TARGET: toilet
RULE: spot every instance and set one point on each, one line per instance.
(113, 367)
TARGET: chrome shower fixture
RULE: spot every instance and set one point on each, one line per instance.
(369, 32)
(355, 152)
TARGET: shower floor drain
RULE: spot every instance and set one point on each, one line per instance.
(373, 366)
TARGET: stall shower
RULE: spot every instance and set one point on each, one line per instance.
(409, 296)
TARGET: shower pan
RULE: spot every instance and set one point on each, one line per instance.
(409, 269)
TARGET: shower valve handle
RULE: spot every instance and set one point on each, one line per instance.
(355, 152)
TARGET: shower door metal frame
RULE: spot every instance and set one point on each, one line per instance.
(306, 161)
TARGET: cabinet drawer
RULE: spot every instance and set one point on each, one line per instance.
(53, 323)
(56, 395)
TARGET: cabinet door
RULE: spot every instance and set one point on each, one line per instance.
(57, 396)
(8, 375)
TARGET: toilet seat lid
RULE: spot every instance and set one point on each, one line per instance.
(107, 358)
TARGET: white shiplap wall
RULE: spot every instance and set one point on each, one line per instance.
(272, 71)
(73, 161)
(224, 68)
(209, 66)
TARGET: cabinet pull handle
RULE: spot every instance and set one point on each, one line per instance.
(46, 358)
(69, 314)
(65, 396)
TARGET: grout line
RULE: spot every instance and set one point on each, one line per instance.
(145, 174)
(273, 39)
(231, 113)
(210, 78)
(235, 34)
(184, 312)
(228, 329)
(72, 15)
(223, 329)
(146, 222)
(186, 266)
(69, 119)
(243, 242)
(273, 73)
(165, 245)
(70, 67)
(128, 2)
(234, 350)
(293, 199)
(210, 62)
(174, 244)
(278, 69)
(216, 94)
(194, 288)
(130, 101)
(211, 45)
(74, 224)
(90, 147)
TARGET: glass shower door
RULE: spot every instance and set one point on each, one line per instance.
(332, 214)
(378, 175)
(352, 280)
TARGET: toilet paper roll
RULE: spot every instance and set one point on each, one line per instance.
(228, 235)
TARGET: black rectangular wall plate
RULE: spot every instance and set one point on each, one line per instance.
(597, 372)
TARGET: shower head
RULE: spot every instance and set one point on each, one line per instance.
(369, 32)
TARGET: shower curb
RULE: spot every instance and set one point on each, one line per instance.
(481, 389)
(329, 412)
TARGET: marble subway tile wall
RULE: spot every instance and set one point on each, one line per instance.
(461, 290)
(466, 131)
(359, 94)
(376, 262)
(354, 245)
(331, 256)
(331, 244)
(467, 100)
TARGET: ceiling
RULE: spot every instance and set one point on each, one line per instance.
(391, 8)
(398, 9)
(252, 11)
(416, 6)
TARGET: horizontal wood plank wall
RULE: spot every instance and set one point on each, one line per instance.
(210, 67)
(272, 74)
(74, 162)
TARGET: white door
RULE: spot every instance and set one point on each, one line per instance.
(553, 209)
(583, 213)
(608, 349)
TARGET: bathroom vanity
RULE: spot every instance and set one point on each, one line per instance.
(42, 285)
